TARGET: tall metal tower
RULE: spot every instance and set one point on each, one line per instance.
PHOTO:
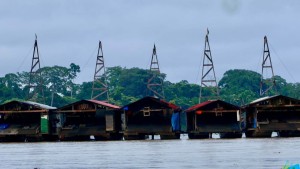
(208, 78)
(35, 78)
(266, 66)
(155, 82)
(100, 87)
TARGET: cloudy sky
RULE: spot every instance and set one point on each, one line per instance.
(69, 31)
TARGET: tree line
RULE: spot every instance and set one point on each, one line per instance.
(127, 85)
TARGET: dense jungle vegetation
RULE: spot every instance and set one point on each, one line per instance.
(129, 84)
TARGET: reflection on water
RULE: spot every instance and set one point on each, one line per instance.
(184, 153)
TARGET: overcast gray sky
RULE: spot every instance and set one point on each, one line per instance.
(69, 31)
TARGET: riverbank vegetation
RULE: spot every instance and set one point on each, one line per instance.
(126, 85)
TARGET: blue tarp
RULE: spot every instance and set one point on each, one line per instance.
(175, 121)
(125, 108)
(3, 126)
(254, 123)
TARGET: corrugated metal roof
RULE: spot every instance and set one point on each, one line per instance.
(268, 98)
(203, 104)
(262, 99)
(104, 104)
(42, 106)
(198, 106)
(35, 104)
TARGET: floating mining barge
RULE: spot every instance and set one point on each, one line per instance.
(152, 115)
(95, 120)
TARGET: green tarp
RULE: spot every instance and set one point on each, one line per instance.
(44, 124)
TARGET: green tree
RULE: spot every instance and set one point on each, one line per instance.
(240, 86)
(59, 82)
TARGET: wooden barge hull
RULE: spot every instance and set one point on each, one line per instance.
(225, 131)
(283, 130)
(18, 133)
(136, 132)
(84, 133)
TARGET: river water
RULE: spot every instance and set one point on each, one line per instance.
(270, 153)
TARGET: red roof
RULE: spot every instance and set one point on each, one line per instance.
(104, 104)
(203, 104)
(198, 106)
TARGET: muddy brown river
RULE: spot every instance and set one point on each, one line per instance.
(271, 153)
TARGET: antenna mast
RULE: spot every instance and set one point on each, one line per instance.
(100, 87)
(208, 72)
(155, 82)
(266, 65)
(35, 77)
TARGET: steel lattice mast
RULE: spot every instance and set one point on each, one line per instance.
(208, 77)
(266, 65)
(35, 77)
(155, 82)
(100, 87)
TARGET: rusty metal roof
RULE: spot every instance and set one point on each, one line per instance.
(204, 104)
(198, 106)
(31, 103)
(104, 104)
